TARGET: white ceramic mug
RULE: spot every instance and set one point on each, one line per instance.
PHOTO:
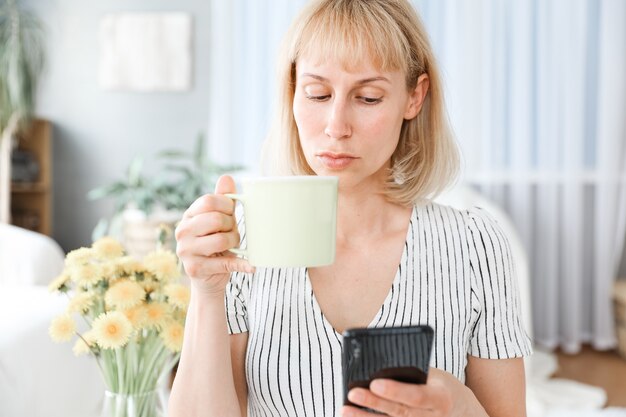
(289, 221)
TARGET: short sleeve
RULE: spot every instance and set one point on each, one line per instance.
(497, 329)
(237, 290)
(236, 303)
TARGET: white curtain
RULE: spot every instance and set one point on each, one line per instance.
(246, 36)
(537, 96)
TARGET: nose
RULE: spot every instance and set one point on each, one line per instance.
(338, 125)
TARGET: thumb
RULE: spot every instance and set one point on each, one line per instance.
(225, 185)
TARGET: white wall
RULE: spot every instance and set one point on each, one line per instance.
(96, 133)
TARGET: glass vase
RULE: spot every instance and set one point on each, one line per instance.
(147, 404)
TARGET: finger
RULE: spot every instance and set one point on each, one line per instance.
(208, 245)
(217, 201)
(349, 411)
(411, 395)
(208, 203)
(225, 185)
(209, 223)
(199, 266)
(365, 398)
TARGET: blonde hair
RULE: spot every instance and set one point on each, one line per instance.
(390, 33)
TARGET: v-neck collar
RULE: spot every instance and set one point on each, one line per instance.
(386, 303)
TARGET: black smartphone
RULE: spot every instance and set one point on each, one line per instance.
(399, 353)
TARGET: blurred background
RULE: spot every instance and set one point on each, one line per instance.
(536, 93)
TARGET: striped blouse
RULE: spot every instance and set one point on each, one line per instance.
(456, 274)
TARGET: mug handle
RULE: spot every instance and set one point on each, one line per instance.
(238, 251)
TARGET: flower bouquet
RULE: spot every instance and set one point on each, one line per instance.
(134, 313)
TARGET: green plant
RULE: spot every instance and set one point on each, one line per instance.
(182, 177)
(134, 189)
(21, 64)
(188, 175)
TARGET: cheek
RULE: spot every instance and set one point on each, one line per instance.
(382, 128)
(302, 112)
(301, 118)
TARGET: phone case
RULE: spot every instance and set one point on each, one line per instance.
(399, 353)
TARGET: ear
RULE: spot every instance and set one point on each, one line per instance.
(416, 97)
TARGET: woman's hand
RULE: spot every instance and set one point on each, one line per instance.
(204, 235)
(442, 396)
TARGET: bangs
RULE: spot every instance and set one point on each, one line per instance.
(351, 34)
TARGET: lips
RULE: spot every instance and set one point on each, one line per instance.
(335, 161)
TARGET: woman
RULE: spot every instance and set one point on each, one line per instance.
(361, 100)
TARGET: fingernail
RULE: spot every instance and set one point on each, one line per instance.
(377, 386)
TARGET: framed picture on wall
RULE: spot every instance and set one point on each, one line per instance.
(146, 52)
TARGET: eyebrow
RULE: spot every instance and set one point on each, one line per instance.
(360, 82)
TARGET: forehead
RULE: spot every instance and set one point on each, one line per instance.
(336, 71)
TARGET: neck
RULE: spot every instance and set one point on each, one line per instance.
(363, 215)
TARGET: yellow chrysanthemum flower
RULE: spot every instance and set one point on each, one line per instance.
(62, 328)
(84, 344)
(124, 294)
(162, 264)
(86, 274)
(156, 315)
(59, 283)
(136, 316)
(108, 270)
(79, 257)
(81, 303)
(172, 336)
(128, 265)
(107, 248)
(149, 284)
(178, 295)
(112, 330)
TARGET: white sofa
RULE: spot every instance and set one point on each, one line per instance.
(38, 378)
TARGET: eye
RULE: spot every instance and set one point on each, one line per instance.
(316, 92)
(318, 98)
(370, 100)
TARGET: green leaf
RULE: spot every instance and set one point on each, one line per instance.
(181, 169)
(100, 230)
(172, 153)
(121, 204)
(134, 171)
(199, 153)
(115, 189)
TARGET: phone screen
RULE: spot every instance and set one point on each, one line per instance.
(399, 353)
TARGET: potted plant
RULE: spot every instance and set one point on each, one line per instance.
(143, 203)
(21, 64)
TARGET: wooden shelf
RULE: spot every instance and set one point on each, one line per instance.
(29, 187)
(31, 203)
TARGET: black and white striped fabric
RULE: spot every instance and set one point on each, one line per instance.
(456, 275)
